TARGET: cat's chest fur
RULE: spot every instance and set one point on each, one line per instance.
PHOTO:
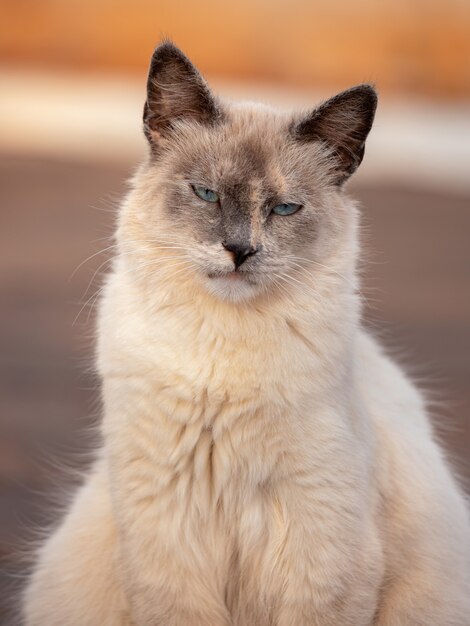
(208, 401)
(220, 437)
(218, 397)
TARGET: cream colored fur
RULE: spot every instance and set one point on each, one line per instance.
(264, 464)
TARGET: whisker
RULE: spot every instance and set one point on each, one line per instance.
(89, 259)
(105, 262)
(94, 295)
(314, 262)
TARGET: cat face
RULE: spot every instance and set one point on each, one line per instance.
(248, 195)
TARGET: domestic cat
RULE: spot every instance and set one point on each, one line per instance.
(264, 462)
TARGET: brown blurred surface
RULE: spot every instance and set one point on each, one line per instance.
(54, 214)
(419, 47)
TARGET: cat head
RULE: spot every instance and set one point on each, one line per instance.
(242, 198)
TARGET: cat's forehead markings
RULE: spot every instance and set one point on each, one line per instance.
(256, 151)
(277, 178)
(256, 200)
(242, 168)
(255, 192)
(254, 156)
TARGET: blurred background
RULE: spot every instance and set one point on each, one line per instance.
(72, 77)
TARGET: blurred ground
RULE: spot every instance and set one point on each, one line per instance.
(54, 213)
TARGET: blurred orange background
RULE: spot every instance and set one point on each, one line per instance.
(72, 87)
(417, 46)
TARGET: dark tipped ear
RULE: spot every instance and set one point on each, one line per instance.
(175, 90)
(343, 123)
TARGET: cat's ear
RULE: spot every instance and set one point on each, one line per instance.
(175, 91)
(343, 123)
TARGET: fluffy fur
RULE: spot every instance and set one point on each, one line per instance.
(264, 464)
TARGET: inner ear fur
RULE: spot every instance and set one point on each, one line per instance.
(175, 91)
(342, 123)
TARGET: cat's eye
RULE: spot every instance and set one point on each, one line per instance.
(205, 194)
(287, 208)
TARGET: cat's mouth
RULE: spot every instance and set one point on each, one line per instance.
(232, 276)
(232, 285)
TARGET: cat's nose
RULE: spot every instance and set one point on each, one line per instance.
(240, 251)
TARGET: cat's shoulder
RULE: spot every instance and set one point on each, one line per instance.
(393, 398)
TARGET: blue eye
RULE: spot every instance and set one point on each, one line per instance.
(205, 194)
(286, 209)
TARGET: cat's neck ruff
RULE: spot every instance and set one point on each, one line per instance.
(284, 344)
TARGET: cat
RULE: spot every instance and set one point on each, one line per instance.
(264, 462)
